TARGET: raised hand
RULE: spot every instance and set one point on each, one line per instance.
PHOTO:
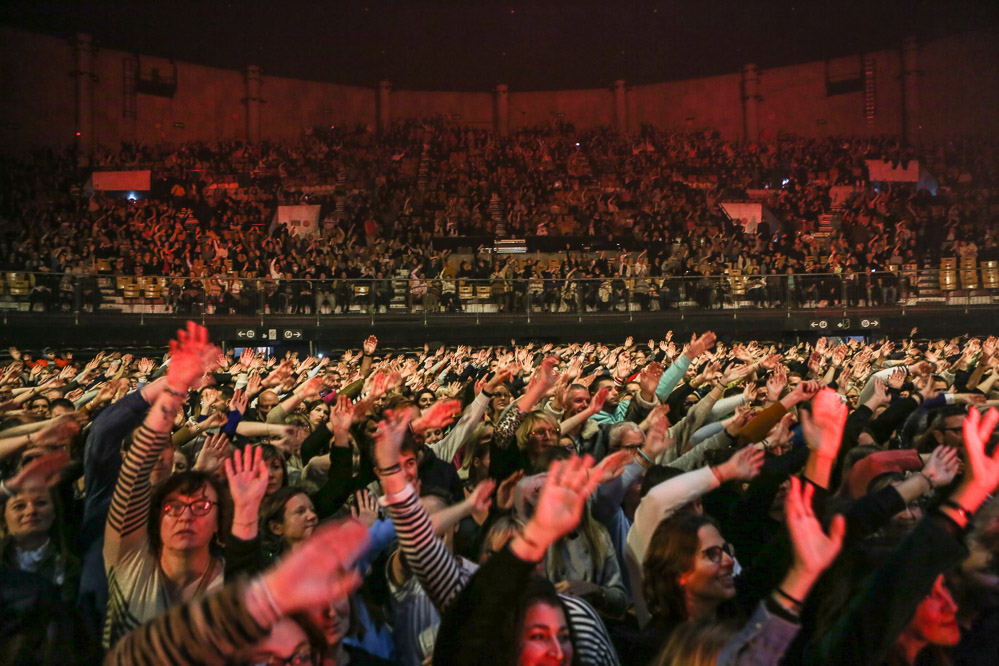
(438, 415)
(477, 501)
(744, 464)
(310, 389)
(814, 550)
(823, 428)
(981, 475)
(648, 380)
(341, 414)
(388, 439)
(252, 386)
(246, 358)
(145, 365)
(366, 509)
(942, 466)
(559, 507)
(42, 472)
(60, 430)
(238, 402)
(699, 345)
(213, 452)
(291, 439)
(504, 492)
(736, 373)
(613, 465)
(247, 474)
(321, 570)
(190, 355)
(776, 384)
(896, 378)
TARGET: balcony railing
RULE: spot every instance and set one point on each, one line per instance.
(233, 296)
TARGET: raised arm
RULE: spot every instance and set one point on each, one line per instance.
(128, 518)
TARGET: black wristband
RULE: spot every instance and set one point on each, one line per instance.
(388, 471)
(486, 393)
(796, 602)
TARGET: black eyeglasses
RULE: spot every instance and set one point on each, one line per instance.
(715, 553)
(176, 508)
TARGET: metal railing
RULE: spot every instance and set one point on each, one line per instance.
(232, 296)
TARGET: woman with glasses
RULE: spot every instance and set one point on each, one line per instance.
(158, 545)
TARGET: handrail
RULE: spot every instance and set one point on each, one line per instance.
(226, 294)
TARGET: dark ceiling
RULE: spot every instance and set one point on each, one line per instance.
(473, 45)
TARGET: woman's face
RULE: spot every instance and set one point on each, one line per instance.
(501, 398)
(29, 513)
(299, 519)
(545, 433)
(707, 579)
(935, 621)
(318, 415)
(545, 640)
(425, 400)
(333, 620)
(275, 476)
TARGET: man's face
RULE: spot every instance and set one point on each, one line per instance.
(188, 531)
(632, 440)
(612, 395)
(577, 400)
(266, 402)
(410, 467)
(951, 432)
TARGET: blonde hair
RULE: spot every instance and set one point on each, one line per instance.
(696, 643)
(530, 422)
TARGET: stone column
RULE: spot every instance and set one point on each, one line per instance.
(384, 105)
(910, 91)
(501, 110)
(750, 103)
(83, 50)
(253, 102)
(621, 106)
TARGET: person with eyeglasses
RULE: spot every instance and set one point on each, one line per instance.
(158, 545)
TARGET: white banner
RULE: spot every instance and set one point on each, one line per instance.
(119, 181)
(882, 171)
(300, 220)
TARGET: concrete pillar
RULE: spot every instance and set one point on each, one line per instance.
(750, 103)
(384, 105)
(253, 102)
(910, 91)
(83, 50)
(621, 106)
(501, 111)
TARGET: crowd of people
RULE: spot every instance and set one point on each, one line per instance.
(659, 502)
(634, 211)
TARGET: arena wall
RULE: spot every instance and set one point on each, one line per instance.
(958, 92)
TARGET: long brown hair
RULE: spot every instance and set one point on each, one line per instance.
(671, 554)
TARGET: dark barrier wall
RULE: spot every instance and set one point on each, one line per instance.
(40, 94)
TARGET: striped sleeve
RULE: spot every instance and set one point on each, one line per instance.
(593, 643)
(129, 514)
(207, 631)
(439, 572)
